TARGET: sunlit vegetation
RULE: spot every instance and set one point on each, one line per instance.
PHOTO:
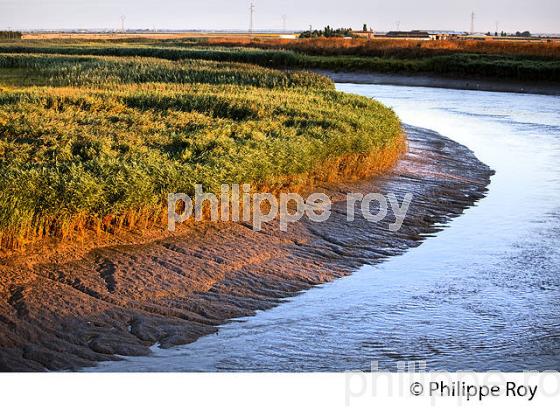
(92, 144)
(84, 70)
(492, 59)
(386, 47)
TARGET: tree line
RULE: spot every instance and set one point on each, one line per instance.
(12, 35)
(328, 31)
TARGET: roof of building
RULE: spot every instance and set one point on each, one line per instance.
(423, 33)
(413, 33)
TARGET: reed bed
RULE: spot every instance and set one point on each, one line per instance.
(88, 70)
(461, 62)
(93, 144)
(386, 47)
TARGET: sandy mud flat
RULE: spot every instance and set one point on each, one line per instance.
(423, 80)
(67, 310)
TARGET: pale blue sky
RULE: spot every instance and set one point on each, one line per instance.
(512, 15)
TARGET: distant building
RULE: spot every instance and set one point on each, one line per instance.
(476, 36)
(414, 34)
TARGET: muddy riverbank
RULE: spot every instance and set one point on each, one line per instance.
(433, 81)
(67, 312)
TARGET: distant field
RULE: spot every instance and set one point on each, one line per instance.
(377, 46)
(508, 60)
(383, 47)
(151, 35)
(94, 143)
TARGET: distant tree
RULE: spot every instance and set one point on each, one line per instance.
(328, 31)
(364, 29)
(10, 35)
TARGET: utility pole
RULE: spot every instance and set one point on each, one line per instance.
(284, 25)
(472, 22)
(251, 13)
(123, 18)
(497, 27)
(398, 24)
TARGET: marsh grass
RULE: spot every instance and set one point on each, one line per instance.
(94, 144)
(387, 47)
(59, 70)
(528, 62)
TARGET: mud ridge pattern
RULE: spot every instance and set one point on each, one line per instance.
(120, 300)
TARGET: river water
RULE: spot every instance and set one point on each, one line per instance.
(482, 294)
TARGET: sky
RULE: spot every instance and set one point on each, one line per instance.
(537, 16)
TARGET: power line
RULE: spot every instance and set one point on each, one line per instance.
(251, 12)
(472, 22)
